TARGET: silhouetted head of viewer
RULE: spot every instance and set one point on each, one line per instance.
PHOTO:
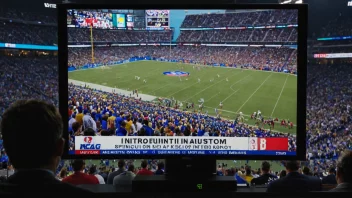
(292, 166)
(78, 165)
(265, 167)
(31, 126)
(344, 168)
(306, 171)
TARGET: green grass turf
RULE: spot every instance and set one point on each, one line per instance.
(274, 94)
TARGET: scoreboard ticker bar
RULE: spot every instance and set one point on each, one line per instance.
(152, 145)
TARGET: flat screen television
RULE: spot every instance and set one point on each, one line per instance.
(212, 81)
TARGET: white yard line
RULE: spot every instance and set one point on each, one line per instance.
(144, 97)
(182, 89)
(139, 88)
(254, 92)
(230, 96)
(279, 97)
(151, 73)
(161, 87)
(223, 101)
(212, 97)
(209, 87)
(245, 115)
(191, 86)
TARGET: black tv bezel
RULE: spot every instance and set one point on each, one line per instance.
(301, 82)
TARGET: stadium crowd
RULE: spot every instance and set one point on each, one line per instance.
(83, 35)
(247, 35)
(329, 116)
(26, 78)
(269, 17)
(47, 35)
(339, 26)
(275, 59)
(20, 14)
(21, 33)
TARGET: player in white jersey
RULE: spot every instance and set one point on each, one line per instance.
(254, 114)
(241, 117)
(227, 80)
(259, 113)
(201, 107)
(220, 105)
(198, 80)
(218, 76)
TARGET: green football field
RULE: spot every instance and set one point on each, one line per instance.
(247, 91)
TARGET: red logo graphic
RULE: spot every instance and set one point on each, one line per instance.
(88, 140)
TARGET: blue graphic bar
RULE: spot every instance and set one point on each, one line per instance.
(191, 152)
(335, 38)
(27, 46)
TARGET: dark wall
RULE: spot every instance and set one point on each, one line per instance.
(320, 11)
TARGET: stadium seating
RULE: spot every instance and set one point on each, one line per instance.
(274, 59)
(339, 26)
(273, 17)
(248, 35)
(83, 35)
(19, 14)
(28, 33)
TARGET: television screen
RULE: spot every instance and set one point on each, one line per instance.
(120, 21)
(157, 18)
(220, 83)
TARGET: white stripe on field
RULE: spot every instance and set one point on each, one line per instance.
(230, 96)
(254, 92)
(212, 97)
(161, 87)
(195, 84)
(182, 89)
(245, 115)
(279, 97)
(210, 86)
